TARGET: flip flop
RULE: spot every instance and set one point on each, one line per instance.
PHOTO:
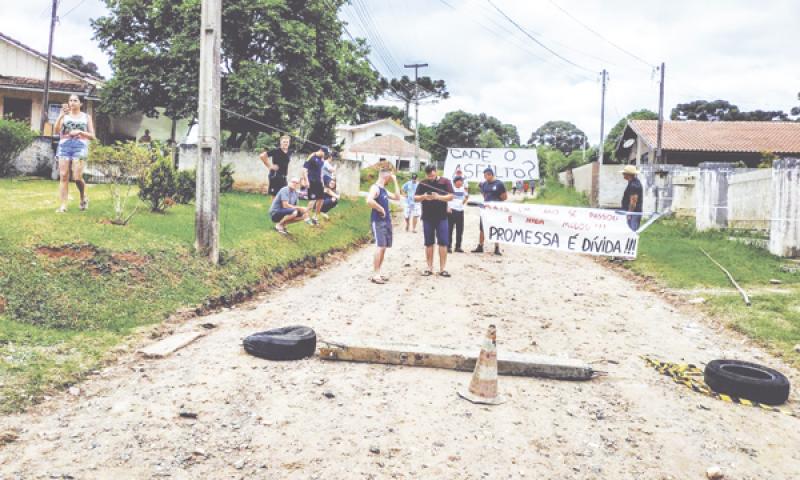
(445, 274)
(377, 280)
(427, 273)
(384, 278)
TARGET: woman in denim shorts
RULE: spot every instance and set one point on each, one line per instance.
(75, 130)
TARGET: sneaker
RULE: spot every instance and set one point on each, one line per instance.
(458, 250)
(314, 221)
(310, 221)
(281, 230)
(61, 209)
(325, 215)
(449, 250)
(478, 249)
(497, 250)
(85, 204)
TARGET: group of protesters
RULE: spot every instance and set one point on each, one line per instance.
(317, 179)
(439, 202)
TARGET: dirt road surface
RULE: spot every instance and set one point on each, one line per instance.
(316, 420)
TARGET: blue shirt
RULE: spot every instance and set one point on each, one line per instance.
(492, 190)
(409, 188)
(314, 167)
(286, 194)
(383, 201)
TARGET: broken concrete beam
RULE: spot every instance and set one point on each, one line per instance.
(170, 344)
(508, 363)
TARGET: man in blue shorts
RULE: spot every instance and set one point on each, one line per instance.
(381, 220)
(284, 208)
(434, 192)
(493, 190)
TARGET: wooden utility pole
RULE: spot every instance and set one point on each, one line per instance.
(46, 99)
(416, 67)
(604, 75)
(659, 158)
(206, 218)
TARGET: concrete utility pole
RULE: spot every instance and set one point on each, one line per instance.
(46, 99)
(206, 217)
(416, 67)
(659, 158)
(604, 75)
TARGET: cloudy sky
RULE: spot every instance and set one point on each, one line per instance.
(744, 51)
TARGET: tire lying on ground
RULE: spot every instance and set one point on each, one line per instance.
(286, 343)
(747, 380)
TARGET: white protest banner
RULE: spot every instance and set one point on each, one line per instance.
(509, 164)
(568, 229)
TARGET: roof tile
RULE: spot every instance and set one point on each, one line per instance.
(776, 137)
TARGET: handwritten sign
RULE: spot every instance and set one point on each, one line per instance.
(567, 229)
(508, 164)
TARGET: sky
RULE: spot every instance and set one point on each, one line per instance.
(743, 51)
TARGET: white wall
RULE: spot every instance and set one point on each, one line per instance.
(611, 186)
(582, 176)
(250, 174)
(359, 135)
(749, 202)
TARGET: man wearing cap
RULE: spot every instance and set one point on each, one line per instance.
(381, 220)
(633, 196)
(434, 192)
(411, 211)
(455, 213)
(312, 178)
(493, 190)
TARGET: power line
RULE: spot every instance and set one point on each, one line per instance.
(536, 40)
(375, 28)
(72, 9)
(601, 36)
(371, 31)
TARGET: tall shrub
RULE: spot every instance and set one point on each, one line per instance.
(14, 138)
(121, 165)
(159, 184)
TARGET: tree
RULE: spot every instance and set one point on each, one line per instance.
(77, 62)
(558, 134)
(722, 110)
(462, 129)
(370, 113)
(404, 90)
(489, 139)
(796, 110)
(284, 63)
(616, 132)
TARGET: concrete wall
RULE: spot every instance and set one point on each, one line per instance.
(683, 201)
(749, 199)
(611, 186)
(250, 174)
(39, 157)
(711, 196)
(784, 235)
(350, 137)
(582, 177)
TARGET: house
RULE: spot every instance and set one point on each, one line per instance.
(22, 76)
(690, 143)
(384, 139)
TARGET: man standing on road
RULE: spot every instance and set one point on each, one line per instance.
(284, 208)
(312, 177)
(434, 193)
(493, 190)
(411, 211)
(632, 198)
(455, 214)
(277, 161)
(381, 220)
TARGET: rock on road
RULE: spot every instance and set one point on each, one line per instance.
(311, 419)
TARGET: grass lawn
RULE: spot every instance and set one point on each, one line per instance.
(670, 253)
(72, 286)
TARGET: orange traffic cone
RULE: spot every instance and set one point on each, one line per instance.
(483, 386)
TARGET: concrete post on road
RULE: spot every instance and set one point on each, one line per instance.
(207, 196)
(711, 195)
(784, 232)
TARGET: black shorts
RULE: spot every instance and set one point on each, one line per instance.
(276, 182)
(315, 191)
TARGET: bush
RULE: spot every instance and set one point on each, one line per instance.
(226, 178)
(159, 184)
(121, 165)
(187, 183)
(14, 138)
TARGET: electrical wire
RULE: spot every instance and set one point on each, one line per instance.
(71, 9)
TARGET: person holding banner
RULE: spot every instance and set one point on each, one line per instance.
(493, 190)
(455, 213)
(434, 193)
(632, 197)
(381, 220)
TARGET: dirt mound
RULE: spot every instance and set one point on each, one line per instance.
(96, 260)
(77, 252)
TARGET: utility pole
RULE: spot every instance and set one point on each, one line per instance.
(416, 67)
(604, 75)
(46, 99)
(206, 217)
(659, 158)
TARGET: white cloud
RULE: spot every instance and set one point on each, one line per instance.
(739, 50)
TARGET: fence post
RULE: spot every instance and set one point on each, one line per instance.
(784, 231)
(711, 195)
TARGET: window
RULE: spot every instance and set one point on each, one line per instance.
(17, 109)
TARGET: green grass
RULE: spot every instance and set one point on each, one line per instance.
(62, 315)
(553, 193)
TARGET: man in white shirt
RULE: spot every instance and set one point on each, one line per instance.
(455, 213)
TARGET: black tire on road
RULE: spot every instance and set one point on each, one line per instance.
(286, 343)
(747, 380)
